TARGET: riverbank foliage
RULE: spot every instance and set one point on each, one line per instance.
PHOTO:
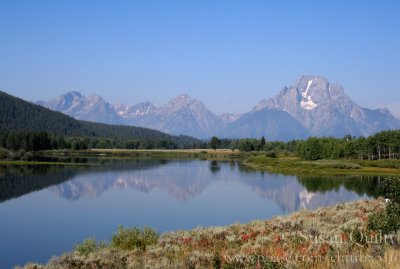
(37, 141)
(381, 146)
(296, 166)
(388, 221)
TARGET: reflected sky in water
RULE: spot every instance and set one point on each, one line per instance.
(45, 210)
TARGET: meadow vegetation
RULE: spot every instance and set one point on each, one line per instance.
(334, 237)
(296, 166)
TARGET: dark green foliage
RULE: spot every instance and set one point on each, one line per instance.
(392, 190)
(311, 149)
(262, 143)
(388, 221)
(20, 117)
(29, 141)
(33, 141)
(248, 144)
(356, 235)
(383, 145)
(217, 261)
(134, 238)
(271, 154)
(3, 153)
(215, 142)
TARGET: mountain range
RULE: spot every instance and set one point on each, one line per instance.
(312, 106)
(20, 116)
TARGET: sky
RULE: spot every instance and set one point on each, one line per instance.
(230, 54)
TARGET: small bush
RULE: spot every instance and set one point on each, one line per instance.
(217, 261)
(134, 238)
(388, 221)
(270, 154)
(3, 153)
(28, 156)
(88, 246)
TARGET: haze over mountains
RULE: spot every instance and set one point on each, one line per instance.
(312, 106)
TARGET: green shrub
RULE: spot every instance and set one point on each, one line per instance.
(134, 238)
(217, 261)
(13, 156)
(392, 190)
(3, 154)
(388, 221)
(271, 154)
(88, 246)
(28, 156)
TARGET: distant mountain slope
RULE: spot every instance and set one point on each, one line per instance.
(324, 109)
(272, 124)
(91, 108)
(181, 115)
(312, 106)
(19, 115)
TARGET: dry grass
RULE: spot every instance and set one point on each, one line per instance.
(325, 238)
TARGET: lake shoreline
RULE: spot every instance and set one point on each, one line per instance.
(287, 165)
(301, 240)
(295, 166)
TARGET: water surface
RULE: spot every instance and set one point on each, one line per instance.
(45, 210)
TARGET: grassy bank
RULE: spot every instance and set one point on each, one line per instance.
(334, 237)
(59, 155)
(289, 165)
(296, 166)
(222, 154)
(27, 163)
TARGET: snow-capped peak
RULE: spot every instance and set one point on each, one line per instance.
(183, 100)
(307, 102)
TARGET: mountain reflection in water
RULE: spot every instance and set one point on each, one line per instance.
(184, 180)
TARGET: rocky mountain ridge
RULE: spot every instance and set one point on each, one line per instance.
(311, 106)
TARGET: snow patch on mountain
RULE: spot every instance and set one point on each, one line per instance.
(307, 102)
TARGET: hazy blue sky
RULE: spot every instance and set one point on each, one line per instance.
(230, 54)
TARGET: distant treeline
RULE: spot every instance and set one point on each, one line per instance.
(34, 141)
(251, 144)
(383, 145)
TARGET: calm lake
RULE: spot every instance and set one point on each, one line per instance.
(45, 210)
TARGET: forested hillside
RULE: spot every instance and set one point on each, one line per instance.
(17, 115)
